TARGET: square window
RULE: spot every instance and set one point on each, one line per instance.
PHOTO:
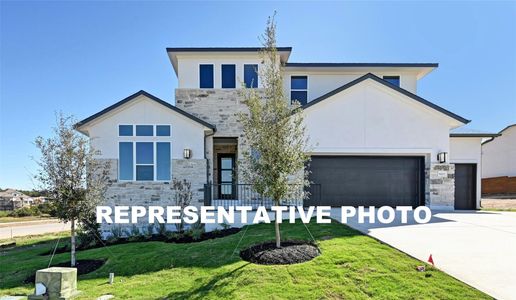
(228, 76)
(163, 130)
(125, 130)
(144, 153)
(299, 82)
(251, 76)
(395, 80)
(144, 130)
(145, 173)
(299, 96)
(206, 76)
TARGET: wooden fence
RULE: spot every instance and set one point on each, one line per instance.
(499, 185)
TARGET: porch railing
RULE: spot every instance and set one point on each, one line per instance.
(226, 195)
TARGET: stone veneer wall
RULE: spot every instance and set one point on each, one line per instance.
(151, 193)
(442, 186)
(219, 107)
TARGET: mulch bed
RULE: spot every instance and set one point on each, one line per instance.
(291, 252)
(84, 266)
(204, 236)
(180, 239)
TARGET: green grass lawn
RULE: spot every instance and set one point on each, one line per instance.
(21, 219)
(352, 266)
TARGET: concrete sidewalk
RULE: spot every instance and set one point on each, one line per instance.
(476, 247)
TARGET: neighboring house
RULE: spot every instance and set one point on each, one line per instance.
(11, 199)
(375, 141)
(499, 163)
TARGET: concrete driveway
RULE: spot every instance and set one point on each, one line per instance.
(476, 247)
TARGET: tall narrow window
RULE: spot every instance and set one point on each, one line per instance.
(299, 89)
(144, 161)
(125, 160)
(392, 80)
(163, 161)
(251, 76)
(228, 76)
(206, 76)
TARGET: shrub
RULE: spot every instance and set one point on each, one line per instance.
(25, 212)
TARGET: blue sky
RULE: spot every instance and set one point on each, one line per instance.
(79, 57)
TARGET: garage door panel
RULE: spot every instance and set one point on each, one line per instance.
(376, 181)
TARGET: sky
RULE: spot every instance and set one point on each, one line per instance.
(80, 57)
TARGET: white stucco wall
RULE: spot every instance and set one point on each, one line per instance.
(320, 83)
(185, 133)
(370, 118)
(188, 69)
(499, 155)
(468, 151)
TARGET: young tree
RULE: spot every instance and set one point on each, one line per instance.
(274, 132)
(73, 178)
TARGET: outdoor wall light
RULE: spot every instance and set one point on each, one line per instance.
(187, 153)
(442, 157)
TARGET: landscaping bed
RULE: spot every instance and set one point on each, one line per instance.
(291, 252)
(179, 237)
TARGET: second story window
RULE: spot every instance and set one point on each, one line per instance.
(206, 76)
(251, 76)
(392, 80)
(299, 89)
(228, 76)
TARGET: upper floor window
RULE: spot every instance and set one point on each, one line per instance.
(228, 76)
(299, 89)
(251, 76)
(392, 80)
(206, 76)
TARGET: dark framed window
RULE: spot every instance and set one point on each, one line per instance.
(144, 130)
(395, 80)
(299, 89)
(125, 130)
(144, 161)
(251, 76)
(163, 130)
(163, 161)
(228, 76)
(125, 160)
(206, 76)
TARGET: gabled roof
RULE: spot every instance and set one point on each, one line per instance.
(152, 97)
(499, 134)
(389, 85)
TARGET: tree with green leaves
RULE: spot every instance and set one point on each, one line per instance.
(276, 158)
(73, 178)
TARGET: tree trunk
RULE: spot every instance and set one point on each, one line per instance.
(278, 237)
(73, 260)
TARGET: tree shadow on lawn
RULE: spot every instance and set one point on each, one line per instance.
(148, 257)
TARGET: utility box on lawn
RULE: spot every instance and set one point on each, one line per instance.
(55, 283)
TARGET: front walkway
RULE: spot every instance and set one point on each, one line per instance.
(476, 247)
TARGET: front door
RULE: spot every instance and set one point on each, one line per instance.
(226, 176)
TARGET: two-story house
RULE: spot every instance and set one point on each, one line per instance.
(374, 141)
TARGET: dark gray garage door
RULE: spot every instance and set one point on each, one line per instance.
(465, 186)
(367, 180)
